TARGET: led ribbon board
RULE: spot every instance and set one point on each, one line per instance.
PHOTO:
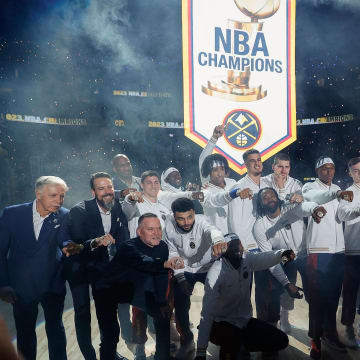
(239, 70)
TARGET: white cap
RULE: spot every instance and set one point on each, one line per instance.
(322, 161)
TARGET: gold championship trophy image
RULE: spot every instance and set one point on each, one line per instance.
(237, 86)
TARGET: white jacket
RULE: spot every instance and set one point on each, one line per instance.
(284, 232)
(350, 213)
(326, 237)
(215, 205)
(227, 292)
(167, 197)
(133, 210)
(242, 213)
(291, 186)
(194, 247)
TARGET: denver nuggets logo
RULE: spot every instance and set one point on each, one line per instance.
(242, 129)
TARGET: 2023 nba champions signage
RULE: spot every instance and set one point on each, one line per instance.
(239, 70)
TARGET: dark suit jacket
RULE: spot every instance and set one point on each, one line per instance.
(32, 267)
(140, 268)
(85, 225)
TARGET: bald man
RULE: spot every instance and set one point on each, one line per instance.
(124, 178)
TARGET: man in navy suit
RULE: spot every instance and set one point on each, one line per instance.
(97, 227)
(31, 237)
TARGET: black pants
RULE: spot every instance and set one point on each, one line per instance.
(258, 335)
(268, 292)
(106, 304)
(325, 276)
(350, 289)
(80, 290)
(25, 315)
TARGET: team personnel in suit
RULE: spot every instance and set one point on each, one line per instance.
(144, 261)
(99, 226)
(350, 213)
(31, 237)
(226, 316)
(326, 258)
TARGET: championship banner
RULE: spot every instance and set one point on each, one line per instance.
(239, 71)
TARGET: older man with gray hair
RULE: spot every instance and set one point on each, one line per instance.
(31, 237)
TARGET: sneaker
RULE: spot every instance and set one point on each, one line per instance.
(315, 351)
(284, 322)
(185, 349)
(140, 352)
(349, 338)
(334, 343)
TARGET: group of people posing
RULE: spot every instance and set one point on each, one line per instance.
(141, 244)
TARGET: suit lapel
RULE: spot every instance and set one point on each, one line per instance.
(95, 217)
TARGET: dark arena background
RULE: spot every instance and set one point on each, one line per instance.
(83, 80)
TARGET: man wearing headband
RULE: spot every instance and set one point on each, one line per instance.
(325, 265)
(192, 238)
(278, 227)
(226, 317)
(171, 189)
(350, 213)
(289, 190)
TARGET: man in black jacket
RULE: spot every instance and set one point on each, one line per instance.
(143, 261)
(98, 227)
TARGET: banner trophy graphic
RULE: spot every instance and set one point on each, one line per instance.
(239, 71)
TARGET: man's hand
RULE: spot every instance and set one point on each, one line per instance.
(136, 196)
(345, 195)
(218, 131)
(219, 248)
(198, 195)
(287, 256)
(296, 198)
(245, 193)
(127, 191)
(72, 249)
(294, 291)
(174, 263)
(104, 240)
(318, 213)
(7, 294)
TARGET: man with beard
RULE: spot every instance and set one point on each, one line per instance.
(325, 263)
(350, 213)
(97, 227)
(192, 238)
(278, 227)
(226, 317)
(288, 189)
(242, 210)
(124, 181)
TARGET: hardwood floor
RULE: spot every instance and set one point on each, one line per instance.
(297, 350)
